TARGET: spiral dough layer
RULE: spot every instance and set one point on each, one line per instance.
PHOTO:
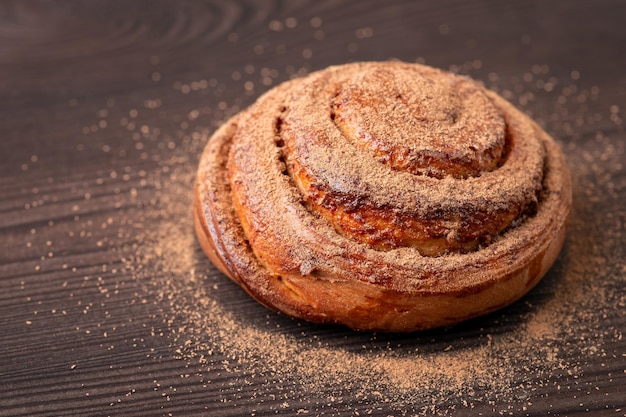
(384, 196)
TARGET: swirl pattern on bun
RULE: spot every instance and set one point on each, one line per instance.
(383, 196)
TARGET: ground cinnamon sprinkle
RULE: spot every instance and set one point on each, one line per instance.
(502, 367)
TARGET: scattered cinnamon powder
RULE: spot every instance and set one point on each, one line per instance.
(500, 364)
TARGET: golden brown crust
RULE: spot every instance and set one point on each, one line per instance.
(301, 210)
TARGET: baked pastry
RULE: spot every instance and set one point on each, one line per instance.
(384, 196)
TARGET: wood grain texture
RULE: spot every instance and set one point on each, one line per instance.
(107, 304)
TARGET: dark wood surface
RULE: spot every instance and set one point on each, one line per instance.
(107, 304)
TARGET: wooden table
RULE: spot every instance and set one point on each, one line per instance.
(109, 307)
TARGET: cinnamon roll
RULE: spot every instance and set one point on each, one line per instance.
(383, 196)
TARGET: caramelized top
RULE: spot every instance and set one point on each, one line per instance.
(420, 120)
(312, 196)
(394, 154)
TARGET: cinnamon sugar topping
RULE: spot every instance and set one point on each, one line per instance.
(420, 120)
(312, 224)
